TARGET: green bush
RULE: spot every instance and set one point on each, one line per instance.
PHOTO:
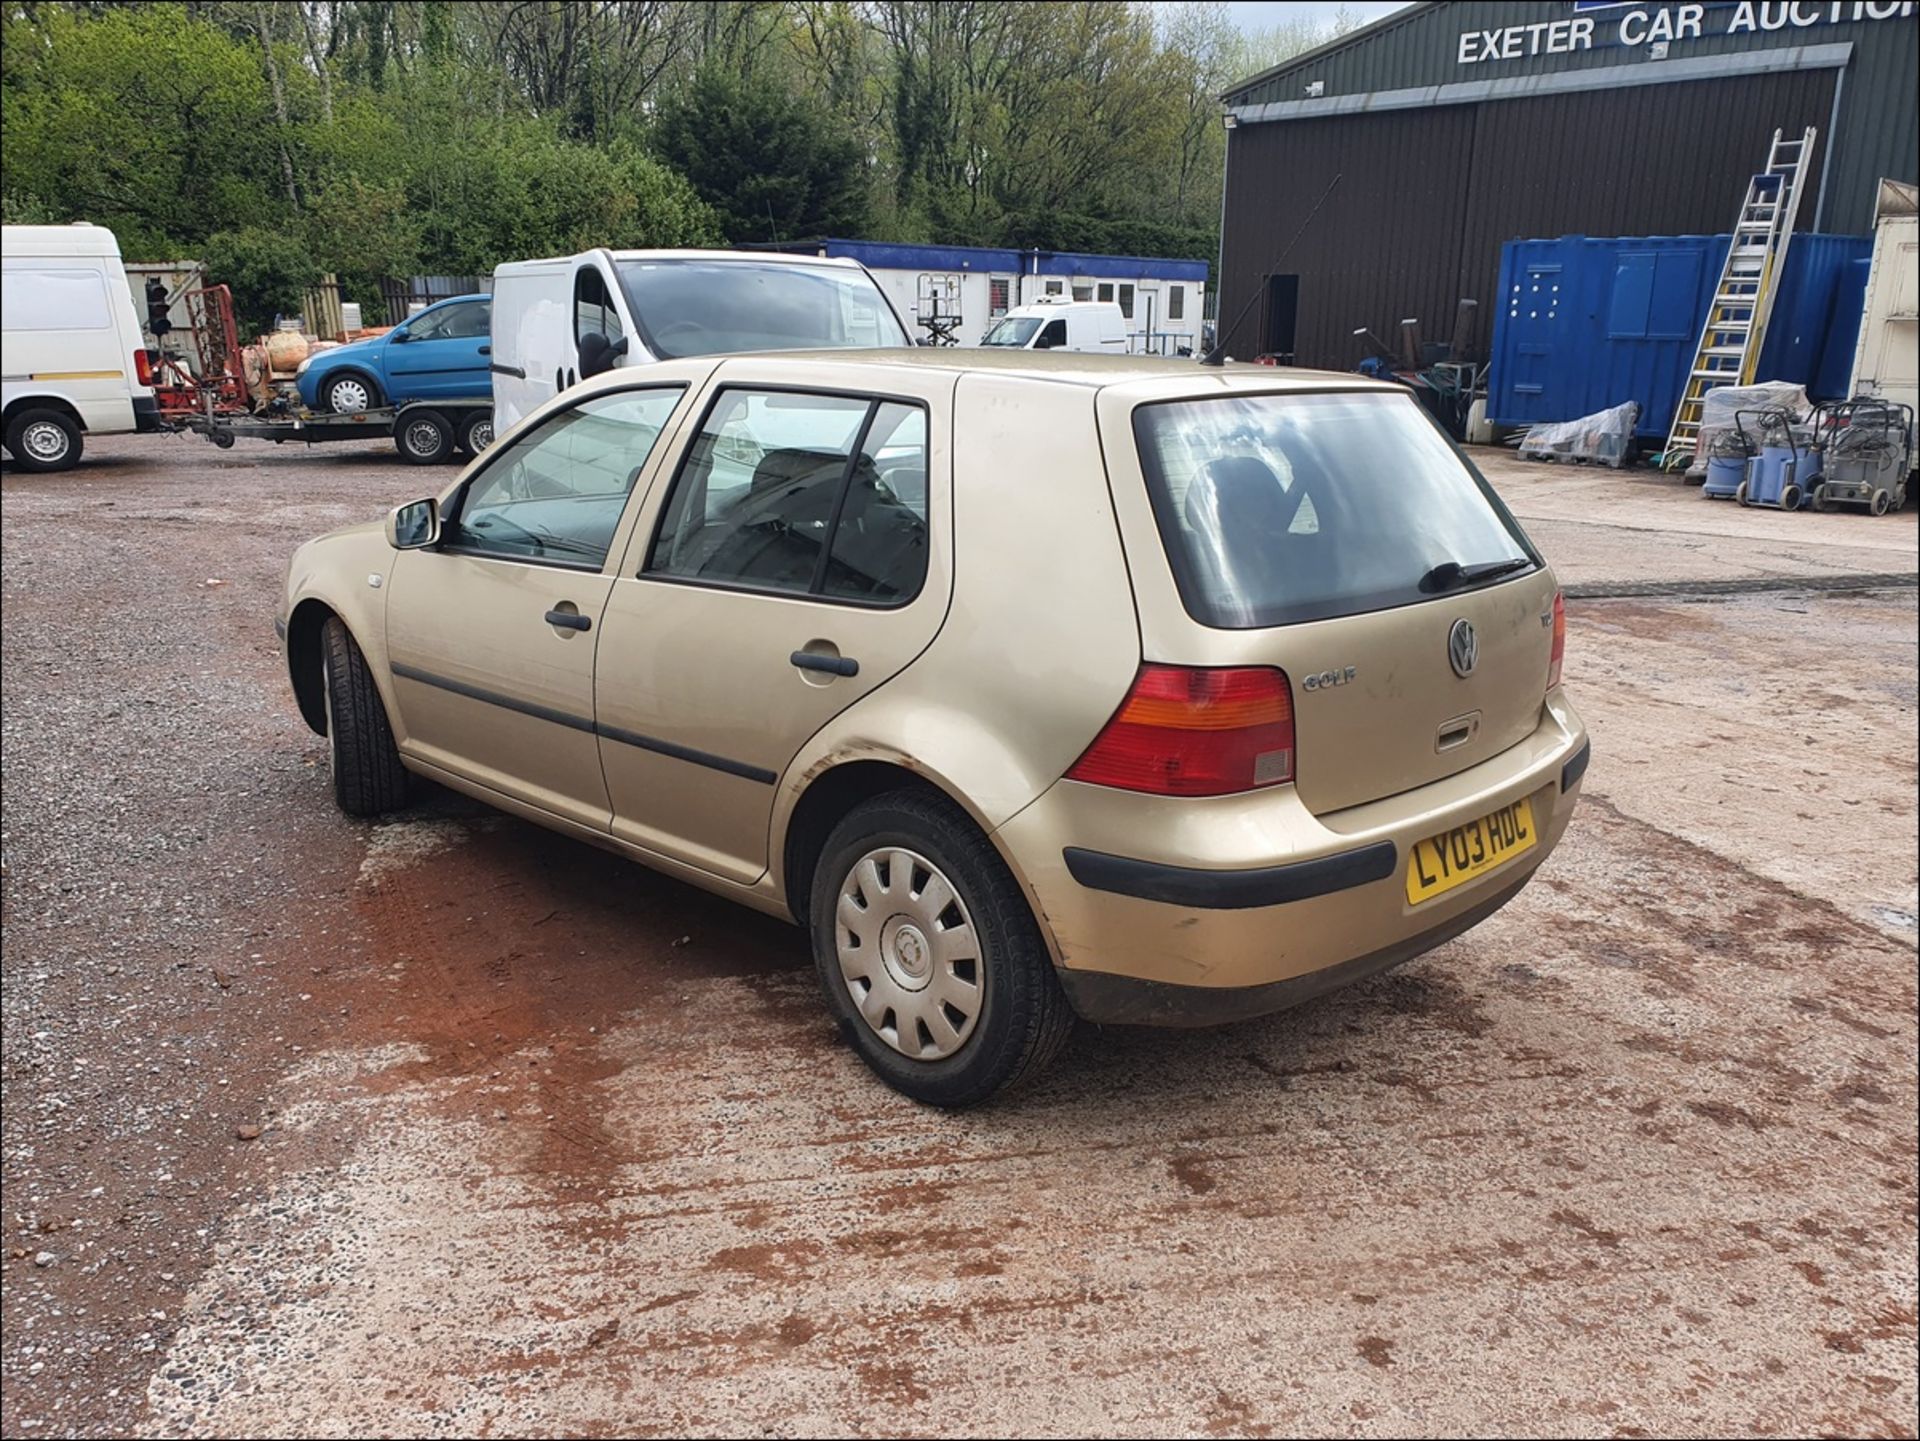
(269, 272)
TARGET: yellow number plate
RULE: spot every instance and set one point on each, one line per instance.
(1455, 857)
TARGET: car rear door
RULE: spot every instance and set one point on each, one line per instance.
(798, 559)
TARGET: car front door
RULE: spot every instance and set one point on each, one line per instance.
(491, 634)
(797, 561)
(444, 355)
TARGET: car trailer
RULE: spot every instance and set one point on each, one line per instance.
(425, 432)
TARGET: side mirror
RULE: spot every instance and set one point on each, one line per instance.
(399, 335)
(597, 353)
(414, 526)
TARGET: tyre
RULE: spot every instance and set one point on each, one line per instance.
(929, 955)
(1878, 504)
(424, 437)
(1740, 494)
(44, 439)
(368, 779)
(1820, 497)
(349, 394)
(476, 432)
(1790, 498)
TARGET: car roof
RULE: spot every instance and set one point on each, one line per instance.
(1082, 368)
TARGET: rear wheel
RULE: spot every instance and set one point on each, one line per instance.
(368, 778)
(1790, 498)
(929, 954)
(1880, 503)
(43, 439)
(1740, 493)
(1820, 497)
(424, 437)
(476, 432)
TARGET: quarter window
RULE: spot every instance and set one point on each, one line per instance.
(555, 494)
(802, 494)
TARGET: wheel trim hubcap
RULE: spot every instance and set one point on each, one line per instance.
(349, 395)
(44, 440)
(908, 953)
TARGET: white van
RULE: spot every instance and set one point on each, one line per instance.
(72, 359)
(556, 322)
(1095, 325)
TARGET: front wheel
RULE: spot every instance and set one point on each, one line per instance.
(350, 395)
(43, 439)
(929, 954)
(368, 778)
(424, 437)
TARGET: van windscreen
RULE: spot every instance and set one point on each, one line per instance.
(1282, 508)
(1014, 330)
(710, 307)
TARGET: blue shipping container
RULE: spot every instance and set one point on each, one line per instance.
(1587, 322)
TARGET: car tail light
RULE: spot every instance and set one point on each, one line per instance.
(142, 367)
(1559, 652)
(1192, 731)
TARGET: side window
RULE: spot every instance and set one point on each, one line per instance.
(430, 324)
(1106, 290)
(593, 309)
(1126, 301)
(555, 494)
(807, 494)
(1054, 336)
(467, 322)
(1176, 302)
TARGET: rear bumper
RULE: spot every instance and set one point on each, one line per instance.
(1129, 1001)
(146, 414)
(1173, 912)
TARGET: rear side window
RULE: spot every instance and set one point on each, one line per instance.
(1282, 508)
(804, 494)
(54, 300)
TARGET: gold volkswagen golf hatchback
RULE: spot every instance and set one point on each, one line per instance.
(1028, 685)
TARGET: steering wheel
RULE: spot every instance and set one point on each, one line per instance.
(690, 327)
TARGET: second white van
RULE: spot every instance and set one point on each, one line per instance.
(75, 363)
(558, 321)
(1086, 325)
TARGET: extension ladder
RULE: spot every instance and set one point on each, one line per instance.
(1736, 326)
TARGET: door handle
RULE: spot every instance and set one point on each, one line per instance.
(569, 620)
(486, 350)
(831, 664)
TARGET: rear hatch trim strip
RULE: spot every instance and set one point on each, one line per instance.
(1231, 890)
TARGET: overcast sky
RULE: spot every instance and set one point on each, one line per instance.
(1252, 15)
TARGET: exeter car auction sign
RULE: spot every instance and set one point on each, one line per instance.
(1606, 23)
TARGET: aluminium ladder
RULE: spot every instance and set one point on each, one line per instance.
(1729, 348)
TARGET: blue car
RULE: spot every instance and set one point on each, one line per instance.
(439, 354)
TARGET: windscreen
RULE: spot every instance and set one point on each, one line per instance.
(1015, 330)
(710, 307)
(1282, 508)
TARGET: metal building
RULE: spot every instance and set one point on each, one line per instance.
(1458, 125)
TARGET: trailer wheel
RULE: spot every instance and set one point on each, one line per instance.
(44, 439)
(424, 437)
(476, 432)
(223, 439)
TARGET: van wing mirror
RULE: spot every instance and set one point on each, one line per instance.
(597, 353)
(414, 526)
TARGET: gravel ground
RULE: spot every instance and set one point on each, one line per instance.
(445, 1123)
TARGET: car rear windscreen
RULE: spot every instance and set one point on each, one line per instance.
(712, 307)
(1282, 508)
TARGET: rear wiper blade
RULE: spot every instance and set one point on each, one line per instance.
(1450, 574)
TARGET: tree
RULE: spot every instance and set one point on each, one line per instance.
(269, 272)
(772, 166)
